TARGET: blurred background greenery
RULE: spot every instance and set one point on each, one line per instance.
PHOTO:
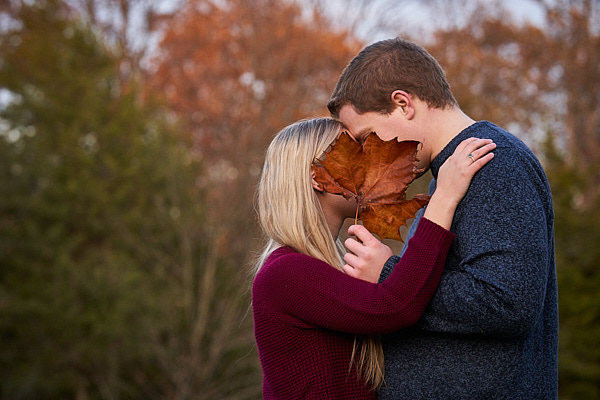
(131, 137)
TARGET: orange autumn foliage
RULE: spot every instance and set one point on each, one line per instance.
(233, 73)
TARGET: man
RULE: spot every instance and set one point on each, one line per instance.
(491, 330)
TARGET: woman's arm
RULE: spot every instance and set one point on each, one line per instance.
(498, 284)
(299, 290)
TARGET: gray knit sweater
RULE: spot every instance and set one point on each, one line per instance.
(491, 330)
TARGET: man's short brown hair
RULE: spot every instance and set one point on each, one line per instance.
(379, 69)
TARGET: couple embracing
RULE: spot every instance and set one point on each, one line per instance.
(469, 308)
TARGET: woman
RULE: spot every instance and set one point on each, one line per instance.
(314, 321)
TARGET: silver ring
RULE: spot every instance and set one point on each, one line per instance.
(471, 157)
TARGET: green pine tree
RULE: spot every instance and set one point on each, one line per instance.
(104, 256)
(577, 258)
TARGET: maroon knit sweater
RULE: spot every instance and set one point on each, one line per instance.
(307, 313)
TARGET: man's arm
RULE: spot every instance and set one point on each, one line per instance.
(495, 279)
(497, 270)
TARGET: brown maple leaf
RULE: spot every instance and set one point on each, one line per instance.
(376, 173)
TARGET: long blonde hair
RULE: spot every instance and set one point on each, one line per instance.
(290, 214)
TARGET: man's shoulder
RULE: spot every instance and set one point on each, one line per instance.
(510, 150)
(488, 130)
(508, 147)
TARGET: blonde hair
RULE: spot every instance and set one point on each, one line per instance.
(290, 214)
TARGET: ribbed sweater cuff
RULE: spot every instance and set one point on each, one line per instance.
(430, 232)
(440, 236)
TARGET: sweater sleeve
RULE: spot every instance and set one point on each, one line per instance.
(300, 290)
(495, 278)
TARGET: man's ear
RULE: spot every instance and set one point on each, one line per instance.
(316, 185)
(404, 102)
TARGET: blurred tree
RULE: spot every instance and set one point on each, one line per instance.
(500, 71)
(574, 29)
(238, 71)
(577, 257)
(105, 262)
(116, 274)
(574, 26)
(130, 27)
